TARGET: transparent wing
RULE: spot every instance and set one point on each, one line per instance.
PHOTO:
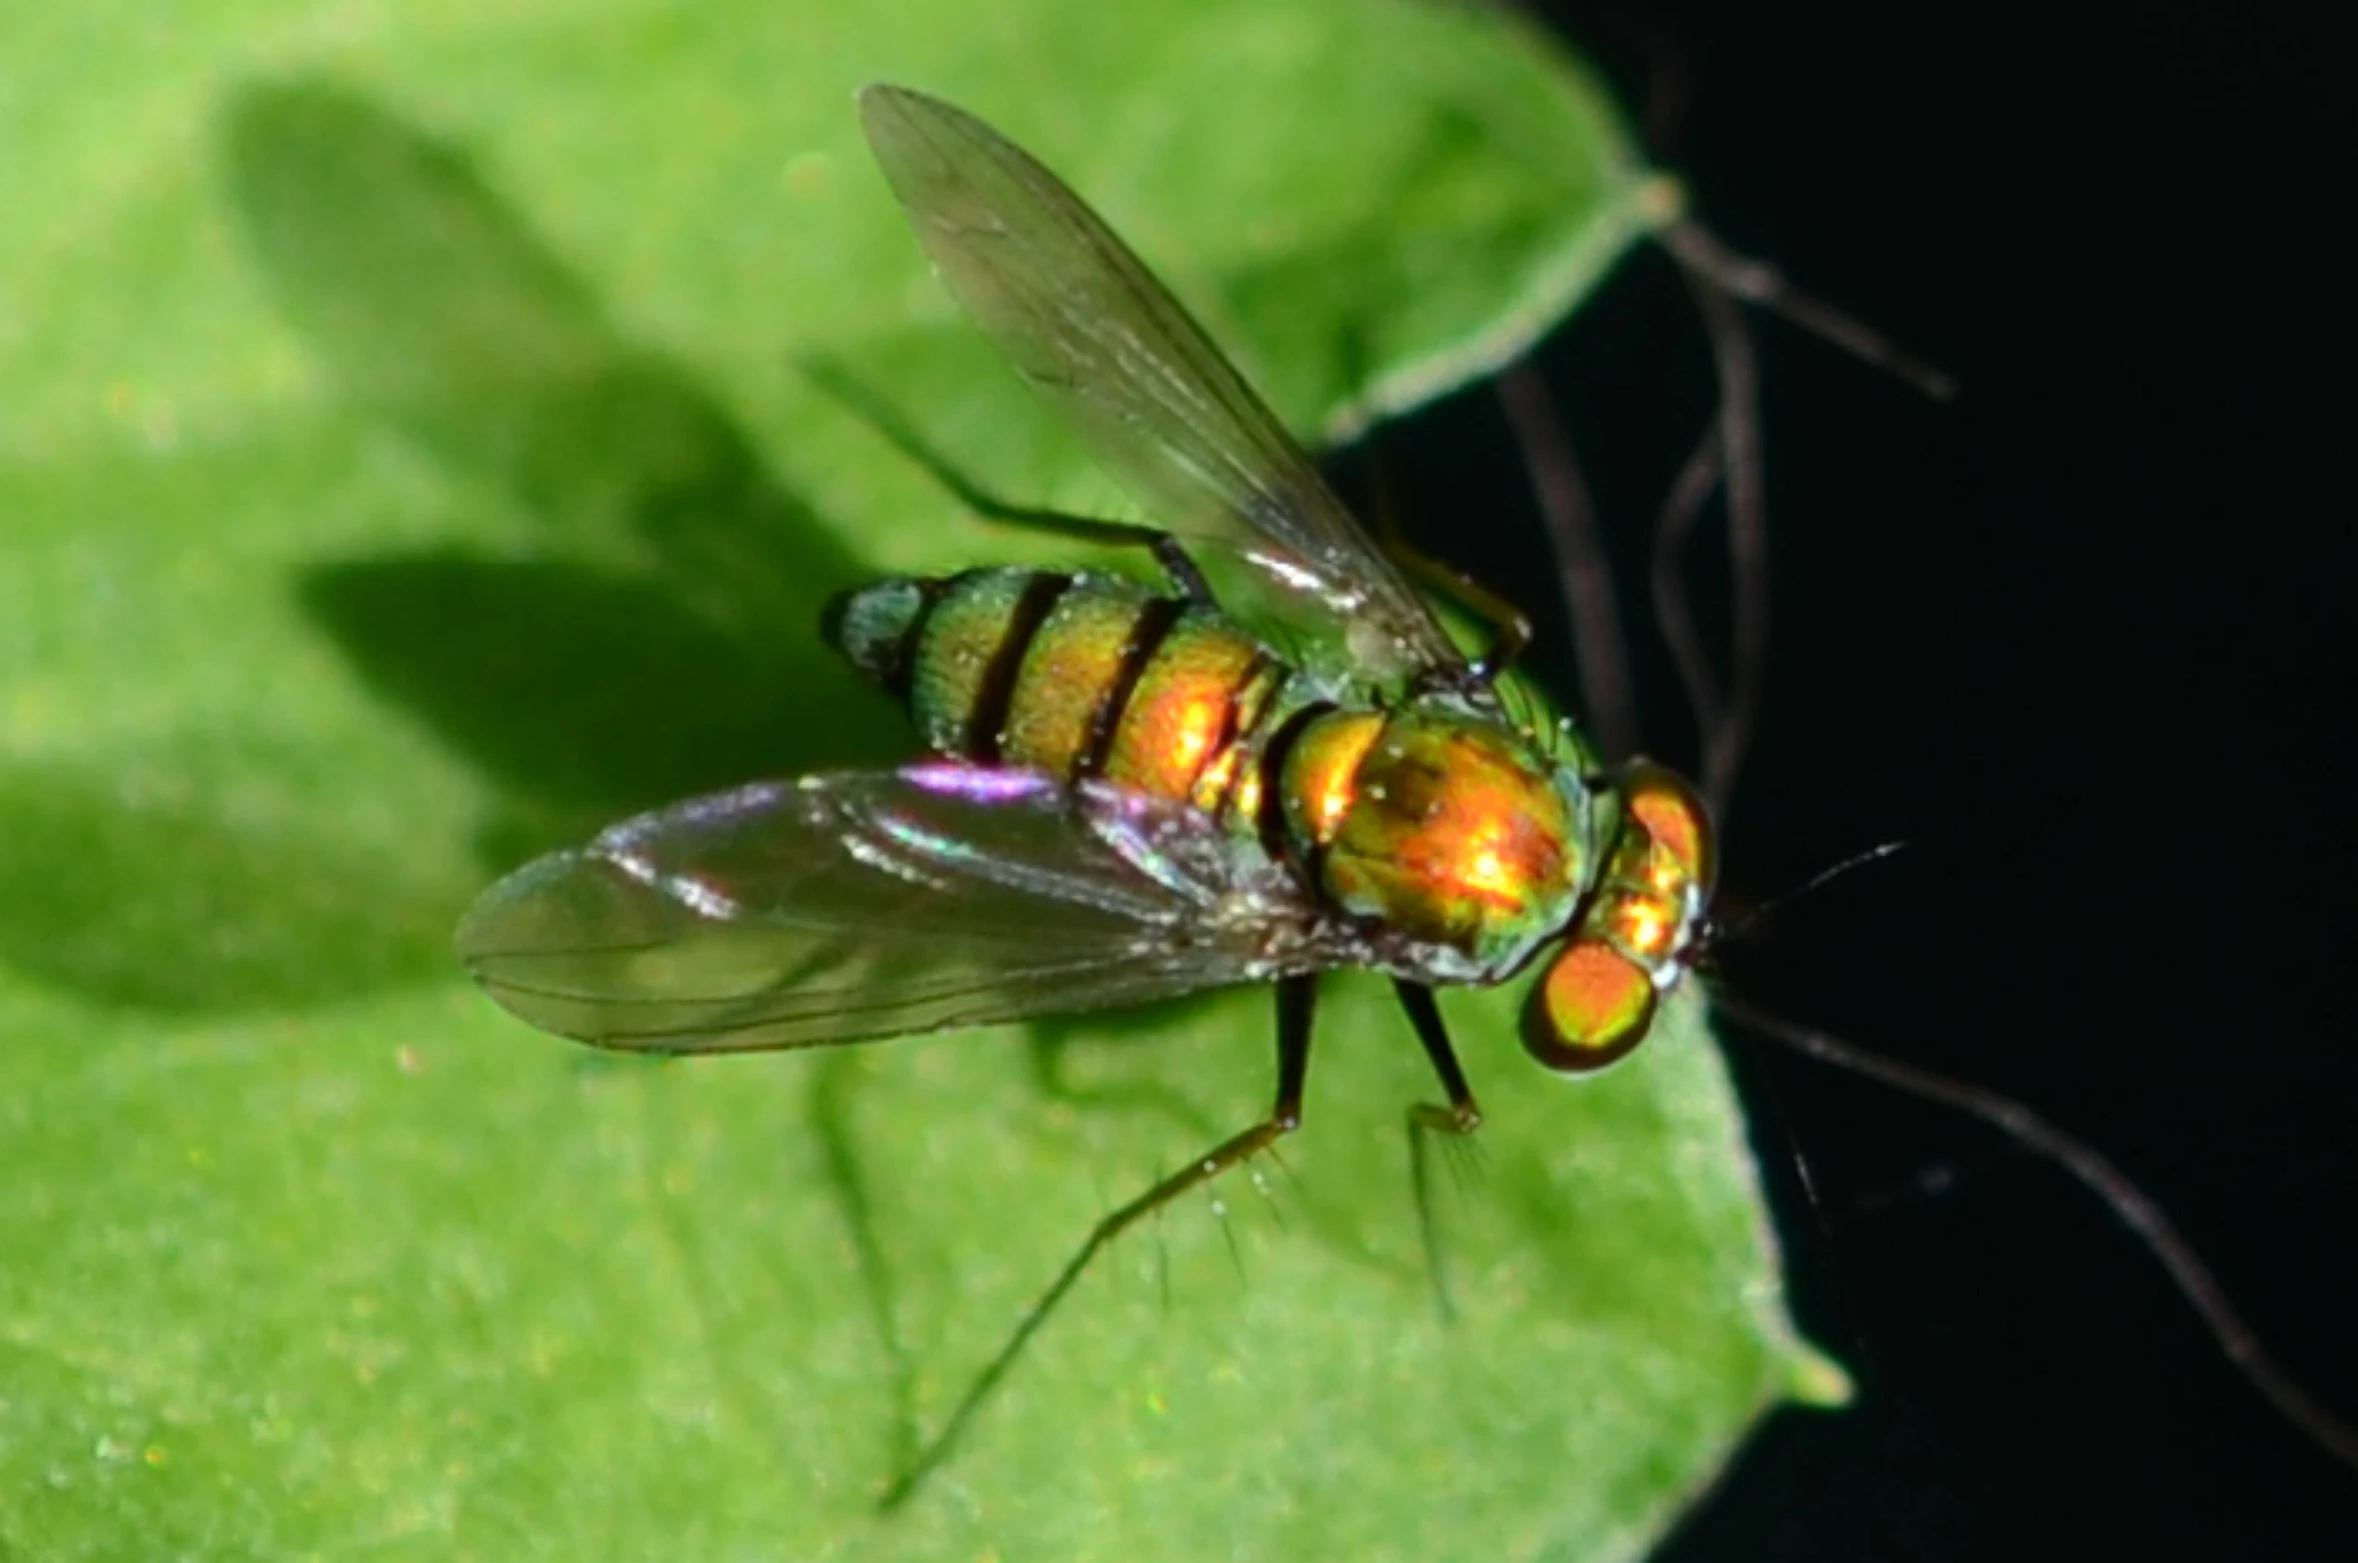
(871, 904)
(1083, 320)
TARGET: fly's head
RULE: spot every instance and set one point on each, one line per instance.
(1636, 930)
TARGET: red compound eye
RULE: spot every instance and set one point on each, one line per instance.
(1591, 1008)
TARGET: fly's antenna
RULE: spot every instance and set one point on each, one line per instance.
(2195, 1281)
(1743, 926)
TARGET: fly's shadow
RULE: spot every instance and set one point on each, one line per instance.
(655, 635)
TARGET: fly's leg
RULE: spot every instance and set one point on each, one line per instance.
(879, 415)
(1729, 459)
(1727, 462)
(1460, 1118)
(1296, 1005)
(1600, 650)
(1510, 627)
(1184, 575)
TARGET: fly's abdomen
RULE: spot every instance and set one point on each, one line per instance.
(1075, 675)
(1194, 717)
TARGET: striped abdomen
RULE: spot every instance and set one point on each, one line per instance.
(1436, 822)
(1078, 675)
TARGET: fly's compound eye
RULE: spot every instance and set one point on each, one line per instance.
(1591, 1008)
(1597, 999)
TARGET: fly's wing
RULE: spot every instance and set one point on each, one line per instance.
(1083, 320)
(872, 904)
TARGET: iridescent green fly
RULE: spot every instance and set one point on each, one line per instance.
(1130, 794)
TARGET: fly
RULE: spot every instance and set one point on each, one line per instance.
(1129, 794)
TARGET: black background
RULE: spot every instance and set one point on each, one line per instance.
(2081, 638)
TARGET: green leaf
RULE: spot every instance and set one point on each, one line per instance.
(428, 437)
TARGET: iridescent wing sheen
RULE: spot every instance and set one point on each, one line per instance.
(1084, 321)
(870, 904)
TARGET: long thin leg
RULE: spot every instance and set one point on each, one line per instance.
(1725, 745)
(1098, 531)
(1459, 1118)
(838, 382)
(1756, 283)
(1296, 1006)
(1600, 650)
(1674, 617)
(1730, 454)
(1510, 626)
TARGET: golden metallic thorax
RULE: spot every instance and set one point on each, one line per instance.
(1449, 826)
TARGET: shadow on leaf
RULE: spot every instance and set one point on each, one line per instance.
(663, 638)
(586, 688)
(177, 896)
